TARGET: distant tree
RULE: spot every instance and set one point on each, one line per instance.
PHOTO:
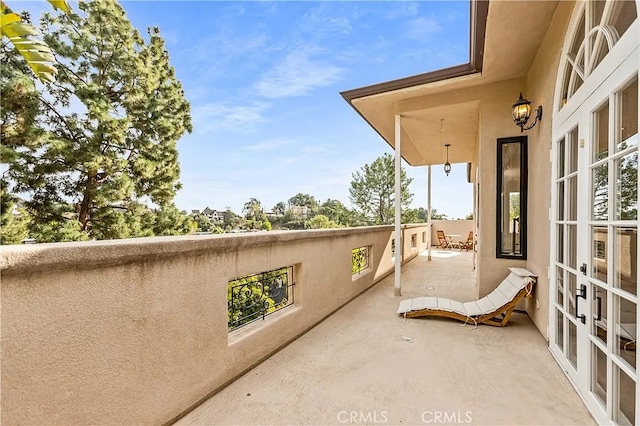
(252, 210)
(469, 216)
(373, 190)
(91, 164)
(231, 220)
(410, 216)
(203, 224)
(303, 200)
(279, 208)
(435, 215)
(13, 228)
(254, 215)
(336, 211)
(321, 221)
(422, 214)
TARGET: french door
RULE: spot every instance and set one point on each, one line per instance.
(594, 265)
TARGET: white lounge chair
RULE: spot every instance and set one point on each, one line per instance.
(493, 309)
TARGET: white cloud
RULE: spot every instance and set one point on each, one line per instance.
(298, 74)
(319, 24)
(423, 27)
(238, 118)
(406, 9)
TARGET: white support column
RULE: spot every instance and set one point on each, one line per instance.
(429, 212)
(398, 194)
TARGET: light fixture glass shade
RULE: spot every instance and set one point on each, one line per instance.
(521, 111)
(447, 165)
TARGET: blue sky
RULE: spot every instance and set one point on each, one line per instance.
(263, 79)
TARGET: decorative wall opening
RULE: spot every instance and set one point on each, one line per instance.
(254, 297)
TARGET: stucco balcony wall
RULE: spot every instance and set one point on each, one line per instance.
(135, 331)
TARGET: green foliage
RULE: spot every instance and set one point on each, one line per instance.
(57, 231)
(255, 296)
(303, 200)
(627, 207)
(13, 228)
(336, 211)
(279, 208)
(359, 259)
(169, 220)
(373, 190)
(22, 35)
(469, 216)
(93, 163)
(321, 221)
(435, 215)
(202, 223)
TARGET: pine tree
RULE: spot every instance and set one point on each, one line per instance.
(373, 190)
(102, 137)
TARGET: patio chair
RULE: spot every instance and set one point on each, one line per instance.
(467, 245)
(493, 309)
(442, 240)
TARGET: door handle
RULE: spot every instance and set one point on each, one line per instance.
(581, 293)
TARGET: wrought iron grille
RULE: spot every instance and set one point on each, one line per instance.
(359, 259)
(254, 297)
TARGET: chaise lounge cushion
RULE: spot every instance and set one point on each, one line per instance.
(510, 287)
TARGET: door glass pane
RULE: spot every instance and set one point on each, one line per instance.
(627, 187)
(572, 207)
(573, 151)
(624, 14)
(600, 313)
(579, 36)
(561, 200)
(597, 7)
(625, 413)
(571, 292)
(599, 376)
(601, 135)
(625, 333)
(599, 180)
(600, 48)
(559, 329)
(572, 245)
(561, 156)
(626, 259)
(599, 253)
(628, 131)
(560, 247)
(572, 344)
(559, 286)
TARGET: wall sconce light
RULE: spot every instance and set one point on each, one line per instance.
(522, 111)
(447, 165)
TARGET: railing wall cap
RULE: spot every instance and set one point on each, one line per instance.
(89, 254)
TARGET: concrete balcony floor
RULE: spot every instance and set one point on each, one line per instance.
(365, 364)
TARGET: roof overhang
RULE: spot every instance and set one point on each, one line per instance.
(505, 37)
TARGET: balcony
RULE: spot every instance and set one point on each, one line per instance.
(136, 331)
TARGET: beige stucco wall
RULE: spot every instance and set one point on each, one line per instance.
(135, 331)
(456, 227)
(496, 122)
(540, 86)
